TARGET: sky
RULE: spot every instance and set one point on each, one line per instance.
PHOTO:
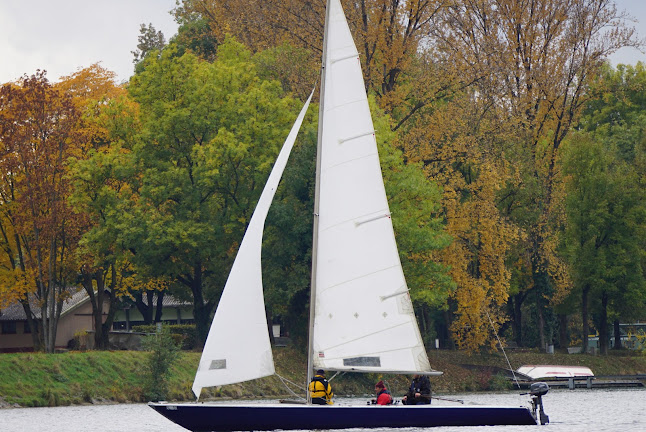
(64, 36)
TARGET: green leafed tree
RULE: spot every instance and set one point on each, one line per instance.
(605, 232)
(210, 133)
(149, 40)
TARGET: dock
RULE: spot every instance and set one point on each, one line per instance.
(600, 381)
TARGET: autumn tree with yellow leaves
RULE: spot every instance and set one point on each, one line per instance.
(37, 136)
(531, 62)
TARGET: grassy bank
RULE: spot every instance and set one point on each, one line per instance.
(32, 379)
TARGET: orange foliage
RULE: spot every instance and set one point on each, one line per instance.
(42, 126)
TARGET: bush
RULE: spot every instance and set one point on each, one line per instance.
(163, 353)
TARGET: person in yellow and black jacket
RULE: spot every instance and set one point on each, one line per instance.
(320, 389)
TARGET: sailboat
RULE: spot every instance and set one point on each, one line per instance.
(361, 314)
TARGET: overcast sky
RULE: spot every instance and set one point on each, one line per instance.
(63, 36)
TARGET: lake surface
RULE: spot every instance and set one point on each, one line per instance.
(569, 410)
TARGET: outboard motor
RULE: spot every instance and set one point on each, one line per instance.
(536, 391)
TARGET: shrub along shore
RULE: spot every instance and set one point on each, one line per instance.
(34, 379)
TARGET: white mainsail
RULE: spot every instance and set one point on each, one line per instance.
(363, 315)
(238, 348)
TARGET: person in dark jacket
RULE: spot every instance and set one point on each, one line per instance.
(419, 392)
(383, 395)
(320, 389)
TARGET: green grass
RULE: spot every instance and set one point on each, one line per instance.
(35, 379)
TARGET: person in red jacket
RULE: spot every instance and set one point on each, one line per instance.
(383, 395)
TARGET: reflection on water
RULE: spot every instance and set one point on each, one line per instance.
(578, 410)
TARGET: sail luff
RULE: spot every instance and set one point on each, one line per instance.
(238, 347)
(317, 187)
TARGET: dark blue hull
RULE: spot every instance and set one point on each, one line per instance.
(251, 417)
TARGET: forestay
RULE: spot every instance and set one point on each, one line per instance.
(364, 319)
(238, 348)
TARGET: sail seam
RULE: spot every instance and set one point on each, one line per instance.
(342, 140)
(368, 335)
(341, 105)
(350, 160)
(378, 214)
(349, 56)
(361, 277)
(372, 219)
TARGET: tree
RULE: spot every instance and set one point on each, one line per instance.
(605, 214)
(102, 104)
(38, 133)
(419, 225)
(464, 152)
(392, 39)
(150, 40)
(210, 133)
(531, 63)
(164, 353)
(195, 35)
(614, 289)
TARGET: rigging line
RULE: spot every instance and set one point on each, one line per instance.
(334, 376)
(285, 381)
(502, 348)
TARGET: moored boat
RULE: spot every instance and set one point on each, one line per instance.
(535, 372)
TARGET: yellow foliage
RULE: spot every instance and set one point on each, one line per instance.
(472, 172)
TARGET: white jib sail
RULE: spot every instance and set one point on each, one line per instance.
(238, 348)
(364, 319)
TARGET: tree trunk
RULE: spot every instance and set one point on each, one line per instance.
(603, 325)
(584, 316)
(517, 320)
(201, 315)
(34, 325)
(450, 343)
(159, 307)
(201, 310)
(100, 340)
(564, 340)
(270, 327)
(145, 309)
(541, 320)
(617, 334)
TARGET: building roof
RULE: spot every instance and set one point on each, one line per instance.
(15, 311)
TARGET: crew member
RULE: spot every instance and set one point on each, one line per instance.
(320, 389)
(419, 392)
(383, 395)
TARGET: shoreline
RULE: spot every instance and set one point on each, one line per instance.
(112, 377)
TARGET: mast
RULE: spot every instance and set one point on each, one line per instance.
(317, 188)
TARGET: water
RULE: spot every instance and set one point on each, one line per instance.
(569, 410)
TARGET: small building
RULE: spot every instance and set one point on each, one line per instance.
(174, 311)
(76, 318)
(15, 334)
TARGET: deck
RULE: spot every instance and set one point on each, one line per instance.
(599, 381)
